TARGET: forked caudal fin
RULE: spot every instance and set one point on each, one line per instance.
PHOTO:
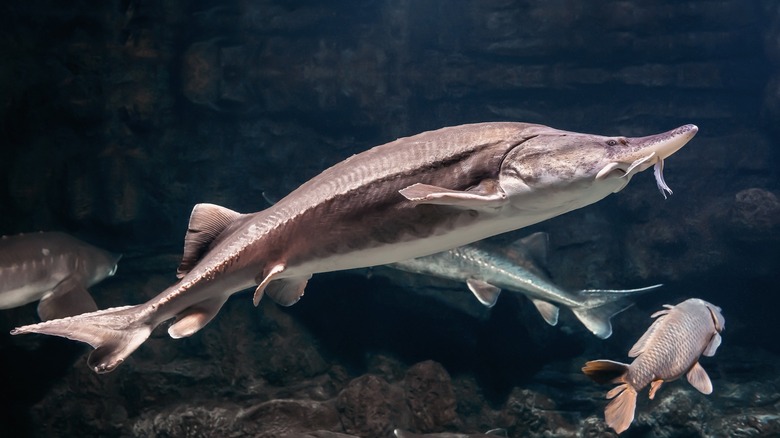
(600, 305)
(114, 333)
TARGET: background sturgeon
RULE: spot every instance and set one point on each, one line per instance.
(52, 267)
(408, 198)
(519, 268)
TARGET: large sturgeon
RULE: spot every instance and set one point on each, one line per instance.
(408, 198)
(52, 267)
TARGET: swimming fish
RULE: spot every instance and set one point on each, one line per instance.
(408, 198)
(493, 433)
(669, 349)
(519, 268)
(52, 267)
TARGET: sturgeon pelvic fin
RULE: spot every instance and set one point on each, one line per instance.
(195, 317)
(114, 333)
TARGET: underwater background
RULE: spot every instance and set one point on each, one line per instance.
(118, 116)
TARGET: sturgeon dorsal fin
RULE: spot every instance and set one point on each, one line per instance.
(536, 245)
(207, 222)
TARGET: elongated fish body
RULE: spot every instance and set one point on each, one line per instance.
(493, 433)
(669, 349)
(53, 268)
(520, 268)
(408, 198)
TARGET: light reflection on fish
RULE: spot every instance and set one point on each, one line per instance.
(669, 349)
(519, 268)
(52, 267)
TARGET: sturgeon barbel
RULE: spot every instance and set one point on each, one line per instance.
(668, 350)
(54, 269)
(520, 267)
(408, 198)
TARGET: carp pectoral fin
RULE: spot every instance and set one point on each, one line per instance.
(195, 317)
(655, 385)
(548, 311)
(485, 292)
(287, 291)
(712, 346)
(487, 195)
(68, 298)
(699, 379)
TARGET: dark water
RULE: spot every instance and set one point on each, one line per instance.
(118, 117)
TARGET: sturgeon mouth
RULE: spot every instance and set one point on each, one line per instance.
(649, 151)
(666, 145)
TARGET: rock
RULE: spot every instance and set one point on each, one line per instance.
(370, 406)
(430, 397)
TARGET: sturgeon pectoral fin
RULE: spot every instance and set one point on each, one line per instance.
(487, 195)
(195, 317)
(548, 311)
(699, 379)
(485, 292)
(287, 291)
(207, 222)
(268, 276)
(68, 298)
(655, 385)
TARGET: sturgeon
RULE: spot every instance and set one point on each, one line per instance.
(520, 268)
(54, 269)
(408, 198)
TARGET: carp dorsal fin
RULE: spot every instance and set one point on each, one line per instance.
(647, 338)
(699, 379)
(207, 222)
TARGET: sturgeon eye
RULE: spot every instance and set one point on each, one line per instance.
(611, 142)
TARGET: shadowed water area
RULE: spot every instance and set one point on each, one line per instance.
(119, 116)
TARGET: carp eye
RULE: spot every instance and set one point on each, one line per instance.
(611, 142)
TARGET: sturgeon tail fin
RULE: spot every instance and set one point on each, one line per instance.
(619, 413)
(114, 333)
(600, 305)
